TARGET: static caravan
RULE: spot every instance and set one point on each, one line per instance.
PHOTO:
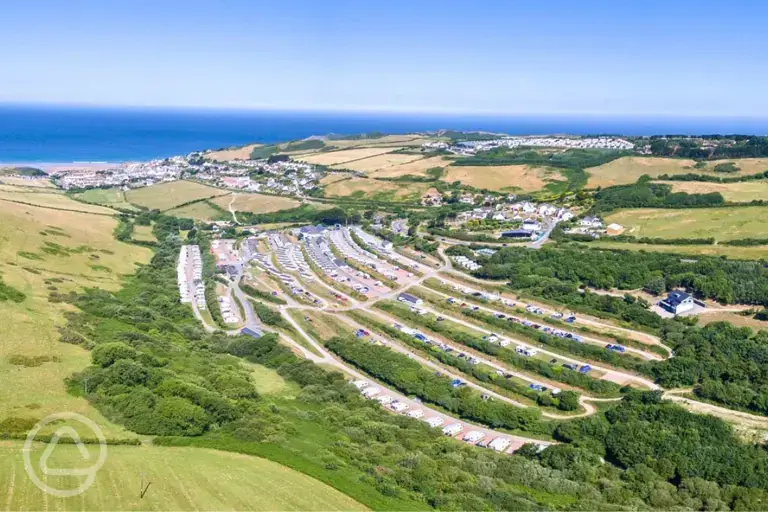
(452, 429)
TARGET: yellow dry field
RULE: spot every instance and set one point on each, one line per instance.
(628, 169)
(256, 203)
(333, 178)
(732, 318)
(378, 162)
(740, 192)
(30, 328)
(363, 188)
(21, 182)
(346, 155)
(225, 155)
(415, 167)
(524, 178)
(182, 478)
(51, 199)
(165, 196)
(197, 211)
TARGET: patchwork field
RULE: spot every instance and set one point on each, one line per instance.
(197, 211)
(52, 199)
(169, 195)
(628, 169)
(739, 253)
(503, 177)
(720, 223)
(182, 479)
(43, 251)
(106, 196)
(238, 153)
(346, 155)
(740, 192)
(363, 188)
(379, 162)
(256, 203)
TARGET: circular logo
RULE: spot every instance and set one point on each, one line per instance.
(65, 431)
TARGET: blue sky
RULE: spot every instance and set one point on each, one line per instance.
(501, 56)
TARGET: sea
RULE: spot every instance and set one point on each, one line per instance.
(65, 134)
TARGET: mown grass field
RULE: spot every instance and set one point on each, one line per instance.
(234, 153)
(720, 223)
(197, 211)
(256, 203)
(181, 479)
(379, 162)
(511, 178)
(740, 192)
(105, 196)
(628, 169)
(81, 252)
(169, 195)
(342, 156)
(363, 188)
(143, 234)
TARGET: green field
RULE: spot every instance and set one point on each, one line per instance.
(181, 479)
(169, 195)
(106, 196)
(720, 223)
(197, 211)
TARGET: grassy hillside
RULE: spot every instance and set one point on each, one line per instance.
(181, 479)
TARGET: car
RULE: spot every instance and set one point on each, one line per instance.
(440, 319)
(475, 308)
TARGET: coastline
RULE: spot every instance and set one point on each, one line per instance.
(53, 167)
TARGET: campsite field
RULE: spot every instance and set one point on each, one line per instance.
(415, 167)
(256, 203)
(182, 479)
(363, 188)
(169, 195)
(43, 251)
(197, 211)
(511, 178)
(379, 162)
(105, 196)
(343, 156)
(720, 223)
(740, 192)
(628, 169)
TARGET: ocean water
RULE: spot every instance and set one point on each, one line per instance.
(77, 134)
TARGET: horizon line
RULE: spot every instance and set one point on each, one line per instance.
(369, 110)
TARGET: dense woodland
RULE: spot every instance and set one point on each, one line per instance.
(554, 272)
